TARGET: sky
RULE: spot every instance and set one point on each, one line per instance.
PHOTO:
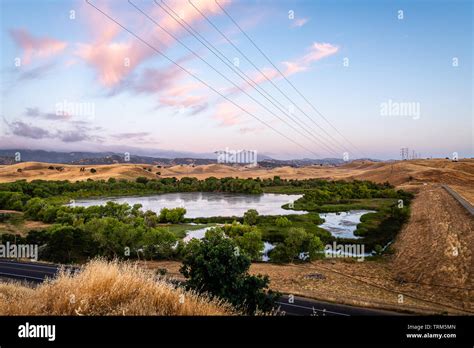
(289, 79)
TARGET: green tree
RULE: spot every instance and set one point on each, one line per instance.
(151, 219)
(159, 243)
(282, 221)
(173, 216)
(251, 217)
(214, 265)
(236, 229)
(33, 207)
(68, 244)
(251, 244)
(297, 241)
(141, 180)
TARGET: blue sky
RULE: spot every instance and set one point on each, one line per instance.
(349, 58)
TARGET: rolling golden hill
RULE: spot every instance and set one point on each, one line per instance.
(405, 174)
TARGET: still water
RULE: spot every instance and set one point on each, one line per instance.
(207, 204)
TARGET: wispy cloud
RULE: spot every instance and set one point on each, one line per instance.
(172, 89)
(114, 59)
(36, 72)
(130, 135)
(246, 130)
(36, 113)
(36, 47)
(77, 134)
(23, 129)
(316, 52)
(228, 115)
(298, 23)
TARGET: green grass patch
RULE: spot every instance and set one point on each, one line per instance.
(273, 233)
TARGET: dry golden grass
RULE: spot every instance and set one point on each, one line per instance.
(460, 174)
(106, 288)
(403, 174)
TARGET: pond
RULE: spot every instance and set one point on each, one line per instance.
(198, 234)
(207, 204)
(343, 224)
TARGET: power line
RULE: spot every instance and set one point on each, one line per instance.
(284, 77)
(214, 69)
(265, 76)
(199, 79)
(239, 72)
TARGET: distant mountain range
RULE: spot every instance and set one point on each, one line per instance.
(95, 158)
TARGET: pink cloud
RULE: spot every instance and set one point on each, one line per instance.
(268, 74)
(156, 81)
(171, 87)
(108, 56)
(300, 22)
(183, 89)
(187, 12)
(36, 47)
(187, 102)
(227, 114)
(255, 78)
(319, 51)
(112, 61)
(293, 68)
(246, 130)
(316, 52)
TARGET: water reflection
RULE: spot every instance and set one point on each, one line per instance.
(207, 204)
(343, 224)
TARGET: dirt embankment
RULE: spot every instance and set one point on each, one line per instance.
(437, 246)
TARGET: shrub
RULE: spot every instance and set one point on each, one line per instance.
(251, 244)
(212, 265)
(141, 180)
(173, 216)
(282, 221)
(251, 217)
(297, 242)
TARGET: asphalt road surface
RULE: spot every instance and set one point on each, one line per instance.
(27, 271)
(468, 206)
(308, 307)
(300, 306)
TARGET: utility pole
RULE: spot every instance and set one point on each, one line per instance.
(404, 153)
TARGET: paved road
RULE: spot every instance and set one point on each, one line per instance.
(309, 307)
(460, 199)
(38, 272)
(28, 271)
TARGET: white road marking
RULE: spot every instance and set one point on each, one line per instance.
(312, 308)
(19, 275)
